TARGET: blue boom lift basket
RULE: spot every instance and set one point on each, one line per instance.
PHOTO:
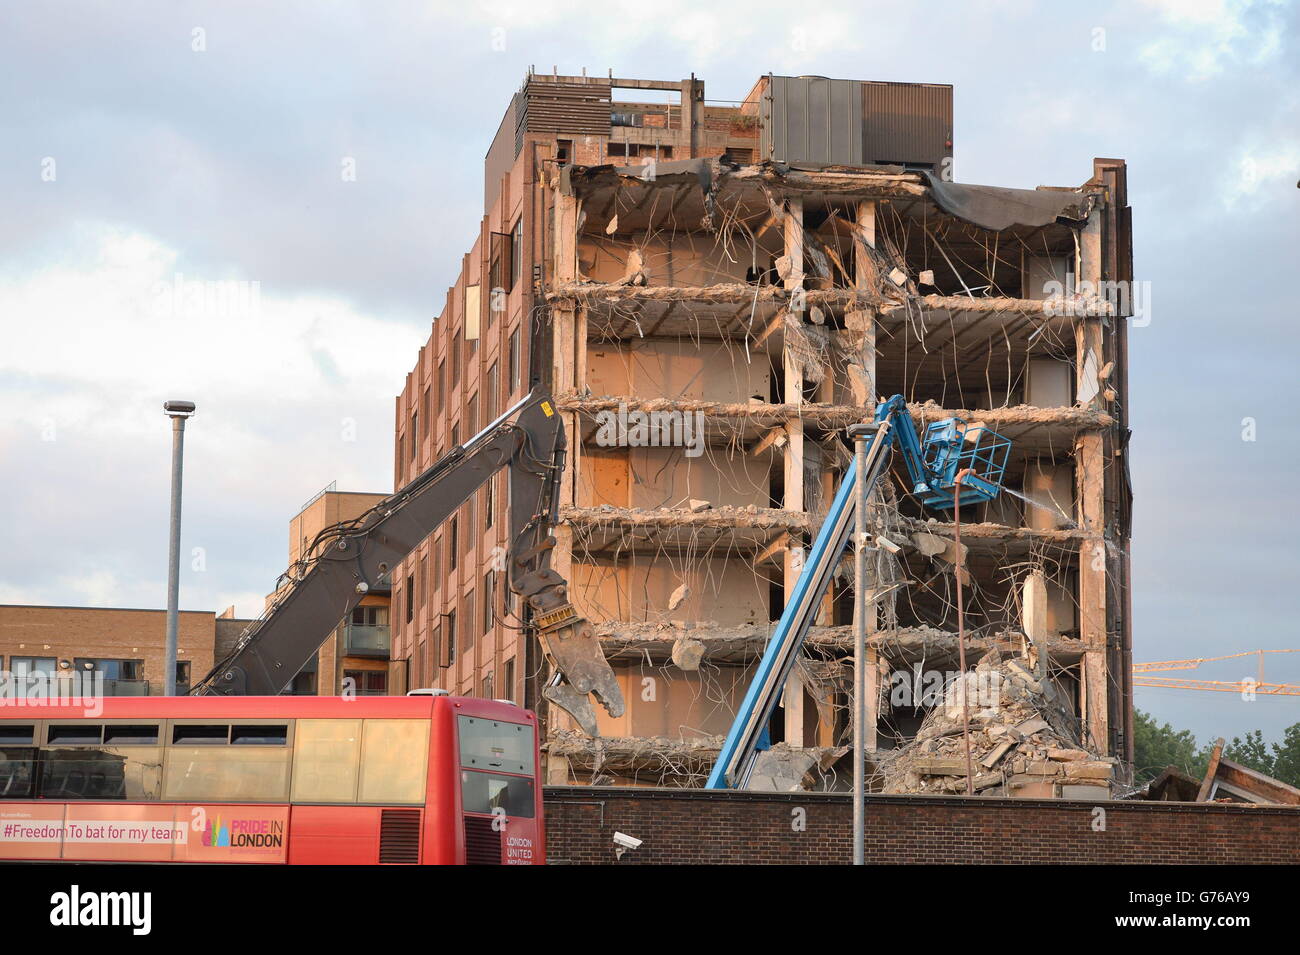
(951, 446)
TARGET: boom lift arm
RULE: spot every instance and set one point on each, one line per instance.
(949, 447)
(348, 559)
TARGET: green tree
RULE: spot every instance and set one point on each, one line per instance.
(1252, 752)
(1286, 757)
(1156, 746)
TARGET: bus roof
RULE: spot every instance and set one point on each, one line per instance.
(255, 707)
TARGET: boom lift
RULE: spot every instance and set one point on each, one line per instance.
(348, 559)
(951, 457)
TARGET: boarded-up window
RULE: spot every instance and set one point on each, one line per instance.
(472, 313)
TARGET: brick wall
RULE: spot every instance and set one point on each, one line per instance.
(695, 827)
(66, 633)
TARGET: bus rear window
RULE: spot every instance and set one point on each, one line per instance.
(496, 745)
(488, 792)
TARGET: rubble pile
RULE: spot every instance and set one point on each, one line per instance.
(1022, 738)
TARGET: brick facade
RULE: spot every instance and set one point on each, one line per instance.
(697, 827)
(69, 633)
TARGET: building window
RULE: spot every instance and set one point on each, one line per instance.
(500, 271)
(516, 252)
(508, 681)
(121, 677)
(514, 361)
(33, 675)
(490, 386)
(410, 597)
(471, 524)
(453, 537)
(564, 150)
(489, 600)
(442, 382)
(470, 619)
(368, 682)
(369, 616)
(487, 687)
(182, 677)
(424, 412)
(489, 501)
(471, 416)
(451, 638)
(435, 551)
(424, 580)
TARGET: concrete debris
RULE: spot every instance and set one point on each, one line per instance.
(695, 506)
(782, 769)
(1023, 742)
(930, 545)
(678, 596)
(687, 653)
(719, 517)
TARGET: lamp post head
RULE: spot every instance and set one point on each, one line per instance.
(178, 409)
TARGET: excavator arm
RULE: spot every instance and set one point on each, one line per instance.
(349, 559)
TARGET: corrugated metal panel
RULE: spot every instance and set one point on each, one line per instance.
(576, 109)
(906, 123)
(812, 119)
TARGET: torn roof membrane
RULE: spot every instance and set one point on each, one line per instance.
(994, 208)
(997, 208)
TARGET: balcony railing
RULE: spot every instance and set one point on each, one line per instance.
(42, 686)
(86, 685)
(367, 641)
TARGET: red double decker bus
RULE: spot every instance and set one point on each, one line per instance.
(430, 779)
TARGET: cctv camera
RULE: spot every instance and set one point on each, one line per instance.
(625, 843)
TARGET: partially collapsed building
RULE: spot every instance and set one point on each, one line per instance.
(713, 292)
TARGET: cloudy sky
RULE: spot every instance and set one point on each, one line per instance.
(148, 146)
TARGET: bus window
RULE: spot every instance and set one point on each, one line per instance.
(17, 772)
(495, 745)
(17, 734)
(326, 760)
(486, 792)
(276, 735)
(394, 761)
(92, 772)
(209, 773)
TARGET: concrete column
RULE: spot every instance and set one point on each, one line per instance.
(1094, 561)
(794, 490)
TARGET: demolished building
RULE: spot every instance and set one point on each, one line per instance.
(712, 292)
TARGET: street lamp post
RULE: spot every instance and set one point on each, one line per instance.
(861, 434)
(178, 411)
